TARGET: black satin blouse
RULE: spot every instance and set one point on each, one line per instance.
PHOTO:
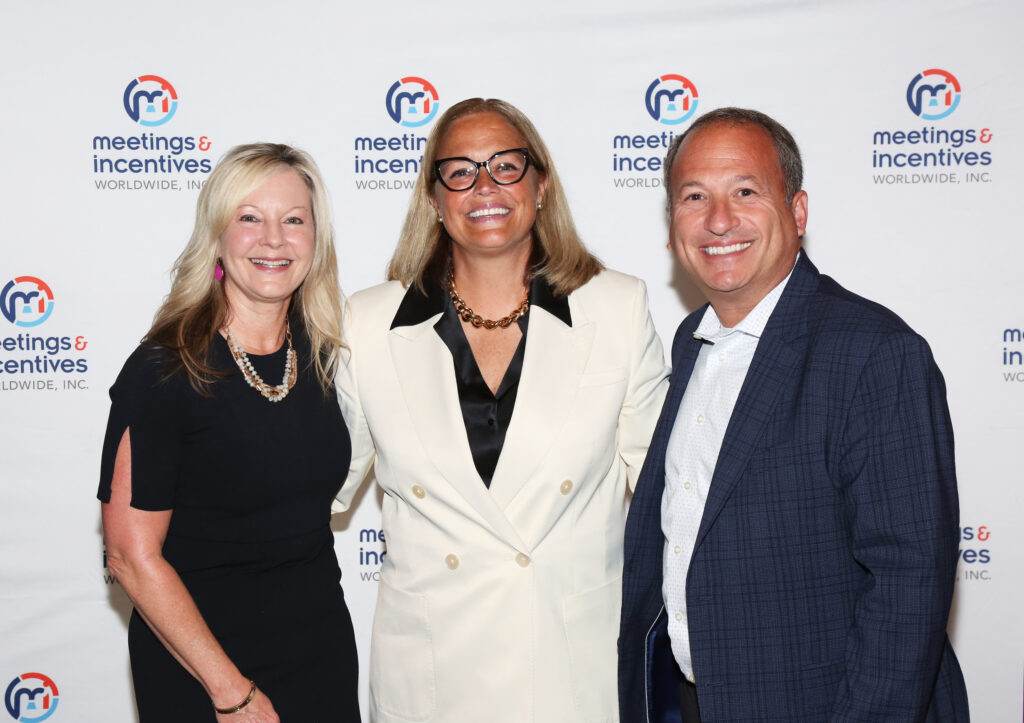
(486, 415)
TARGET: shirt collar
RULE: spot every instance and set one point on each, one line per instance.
(711, 330)
(417, 306)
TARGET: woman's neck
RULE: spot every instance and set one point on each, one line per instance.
(491, 286)
(260, 329)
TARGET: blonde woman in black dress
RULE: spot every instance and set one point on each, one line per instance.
(224, 448)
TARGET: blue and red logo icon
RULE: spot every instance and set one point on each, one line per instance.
(149, 100)
(31, 697)
(933, 94)
(671, 99)
(412, 102)
(26, 301)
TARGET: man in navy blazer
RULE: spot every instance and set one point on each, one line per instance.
(791, 547)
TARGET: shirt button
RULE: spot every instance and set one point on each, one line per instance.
(566, 487)
(451, 561)
(687, 485)
(419, 491)
(522, 560)
(677, 549)
(721, 356)
(690, 678)
(700, 419)
(679, 616)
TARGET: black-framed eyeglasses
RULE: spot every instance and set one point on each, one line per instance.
(504, 168)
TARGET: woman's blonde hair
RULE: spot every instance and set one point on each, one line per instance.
(424, 247)
(196, 307)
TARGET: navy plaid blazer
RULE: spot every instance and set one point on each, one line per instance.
(821, 580)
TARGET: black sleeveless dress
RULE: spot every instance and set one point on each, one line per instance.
(250, 484)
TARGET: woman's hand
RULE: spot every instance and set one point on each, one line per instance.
(259, 710)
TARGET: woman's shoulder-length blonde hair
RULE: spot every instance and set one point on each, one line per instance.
(424, 246)
(196, 307)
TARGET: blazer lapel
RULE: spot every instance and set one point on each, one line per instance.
(779, 351)
(426, 374)
(556, 355)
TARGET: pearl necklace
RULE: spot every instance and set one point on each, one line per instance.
(273, 394)
(470, 316)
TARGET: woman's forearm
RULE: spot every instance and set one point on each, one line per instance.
(164, 602)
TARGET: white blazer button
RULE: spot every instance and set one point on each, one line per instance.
(419, 491)
(522, 560)
(566, 487)
(451, 561)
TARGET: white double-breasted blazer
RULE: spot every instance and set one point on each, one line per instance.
(502, 603)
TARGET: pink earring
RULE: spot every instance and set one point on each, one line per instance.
(218, 272)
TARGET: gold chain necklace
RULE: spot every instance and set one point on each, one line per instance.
(468, 315)
(291, 366)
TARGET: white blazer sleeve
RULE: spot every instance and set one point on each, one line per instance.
(647, 385)
(363, 450)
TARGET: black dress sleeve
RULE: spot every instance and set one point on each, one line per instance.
(146, 402)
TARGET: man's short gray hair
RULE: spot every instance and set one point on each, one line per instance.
(785, 147)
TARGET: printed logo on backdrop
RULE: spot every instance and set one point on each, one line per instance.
(372, 550)
(975, 556)
(412, 102)
(933, 94)
(389, 161)
(31, 697)
(1013, 355)
(37, 361)
(671, 99)
(638, 153)
(26, 301)
(944, 153)
(149, 100)
(139, 158)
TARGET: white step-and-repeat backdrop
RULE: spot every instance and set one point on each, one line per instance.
(914, 202)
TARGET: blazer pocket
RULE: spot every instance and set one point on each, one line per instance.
(592, 624)
(598, 379)
(402, 680)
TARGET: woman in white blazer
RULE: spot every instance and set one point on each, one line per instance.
(504, 386)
